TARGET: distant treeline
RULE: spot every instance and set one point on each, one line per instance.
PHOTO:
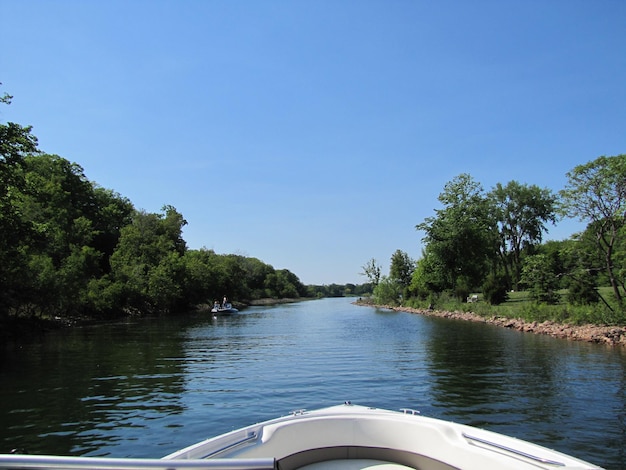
(70, 248)
(339, 290)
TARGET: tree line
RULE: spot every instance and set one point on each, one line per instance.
(492, 242)
(71, 248)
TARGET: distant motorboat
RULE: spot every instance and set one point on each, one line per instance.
(224, 309)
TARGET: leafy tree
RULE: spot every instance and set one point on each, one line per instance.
(583, 289)
(203, 278)
(5, 98)
(401, 269)
(495, 289)
(284, 284)
(461, 239)
(113, 212)
(538, 275)
(387, 291)
(148, 263)
(73, 227)
(372, 270)
(233, 276)
(596, 193)
(564, 257)
(255, 273)
(521, 212)
(58, 203)
(16, 143)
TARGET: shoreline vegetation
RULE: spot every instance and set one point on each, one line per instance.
(26, 328)
(609, 335)
(14, 328)
(79, 252)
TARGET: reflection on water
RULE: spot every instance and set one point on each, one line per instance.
(79, 390)
(146, 388)
(564, 395)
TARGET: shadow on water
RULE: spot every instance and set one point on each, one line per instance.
(559, 393)
(72, 392)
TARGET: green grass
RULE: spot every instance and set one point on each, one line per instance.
(520, 305)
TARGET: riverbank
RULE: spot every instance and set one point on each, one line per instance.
(610, 335)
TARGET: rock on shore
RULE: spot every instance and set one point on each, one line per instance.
(610, 335)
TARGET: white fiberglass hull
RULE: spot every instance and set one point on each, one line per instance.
(345, 437)
(348, 437)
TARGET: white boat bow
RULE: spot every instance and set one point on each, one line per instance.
(344, 437)
(350, 436)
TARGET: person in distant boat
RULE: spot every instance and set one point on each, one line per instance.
(216, 304)
(225, 301)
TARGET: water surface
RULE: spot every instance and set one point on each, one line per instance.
(144, 388)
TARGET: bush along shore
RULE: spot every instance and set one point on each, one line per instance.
(609, 335)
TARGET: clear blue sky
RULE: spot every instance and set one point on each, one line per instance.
(315, 134)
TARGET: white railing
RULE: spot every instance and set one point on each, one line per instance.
(48, 462)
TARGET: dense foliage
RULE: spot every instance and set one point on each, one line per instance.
(70, 248)
(492, 243)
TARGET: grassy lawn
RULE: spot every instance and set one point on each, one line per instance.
(520, 305)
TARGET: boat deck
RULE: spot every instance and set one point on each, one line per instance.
(355, 464)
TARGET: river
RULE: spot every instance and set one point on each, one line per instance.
(146, 387)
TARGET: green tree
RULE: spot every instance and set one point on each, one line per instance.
(5, 98)
(495, 289)
(583, 289)
(372, 271)
(401, 269)
(461, 239)
(538, 275)
(71, 225)
(58, 203)
(203, 277)
(16, 143)
(255, 273)
(113, 212)
(387, 291)
(521, 212)
(565, 257)
(596, 193)
(284, 284)
(429, 275)
(233, 277)
(148, 262)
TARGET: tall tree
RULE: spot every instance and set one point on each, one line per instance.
(521, 212)
(73, 228)
(429, 275)
(148, 262)
(401, 268)
(538, 275)
(596, 193)
(461, 237)
(371, 269)
(16, 143)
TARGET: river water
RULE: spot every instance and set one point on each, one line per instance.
(144, 388)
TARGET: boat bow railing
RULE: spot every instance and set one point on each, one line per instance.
(47, 462)
(474, 439)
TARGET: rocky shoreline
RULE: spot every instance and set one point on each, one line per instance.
(609, 335)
